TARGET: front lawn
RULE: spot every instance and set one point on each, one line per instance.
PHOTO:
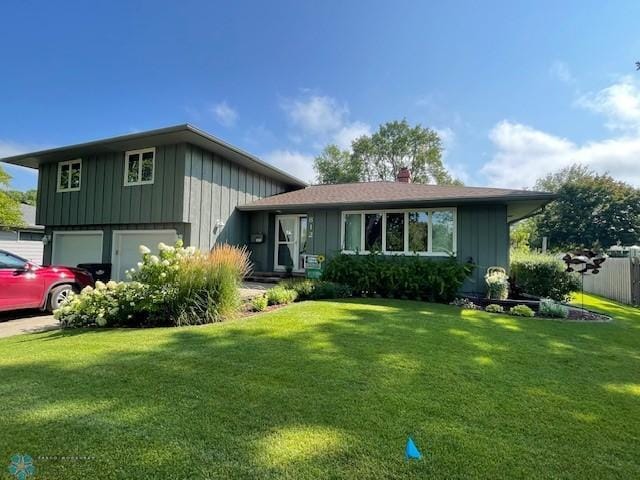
(330, 390)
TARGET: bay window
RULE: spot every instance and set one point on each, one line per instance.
(429, 231)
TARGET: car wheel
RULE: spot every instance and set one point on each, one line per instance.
(58, 296)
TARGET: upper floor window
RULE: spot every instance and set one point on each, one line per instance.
(429, 231)
(139, 166)
(69, 174)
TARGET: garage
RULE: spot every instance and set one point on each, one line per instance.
(72, 248)
(126, 244)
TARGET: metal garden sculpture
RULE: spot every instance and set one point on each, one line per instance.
(584, 262)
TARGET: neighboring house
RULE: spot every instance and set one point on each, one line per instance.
(26, 240)
(98, 201)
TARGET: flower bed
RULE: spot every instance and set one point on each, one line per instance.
(477, 302)
(179, 286)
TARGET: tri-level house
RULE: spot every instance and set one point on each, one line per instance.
(99, 201)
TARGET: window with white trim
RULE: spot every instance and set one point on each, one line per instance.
(428, 231)
(139, 166)
(69, 175)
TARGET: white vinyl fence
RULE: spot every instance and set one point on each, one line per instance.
(619, 279)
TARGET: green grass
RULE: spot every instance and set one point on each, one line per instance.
(330, 390)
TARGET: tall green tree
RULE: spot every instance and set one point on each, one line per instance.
(28, 197)
(396, 145)
(10, 215)
(552, 182)
(334, 165)
(592, 210)
(380, 156)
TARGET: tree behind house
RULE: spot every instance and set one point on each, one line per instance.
(592, 210)
(380, 156)
(10, 214)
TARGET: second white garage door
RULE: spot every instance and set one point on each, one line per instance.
(126, 244)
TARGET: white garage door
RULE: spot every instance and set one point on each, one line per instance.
(72, 248)
(126, 244)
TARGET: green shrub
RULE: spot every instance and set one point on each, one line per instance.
(542, 275)
(398, 276)
(326, 290)
(309, 289)
(553, 309)
(497, 284)
(259, 304)
(521, 311)
(279, 295)
(179, 286)
(494, 308)
(304, 287)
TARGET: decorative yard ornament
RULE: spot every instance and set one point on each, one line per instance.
(411, 451)
(584, 262)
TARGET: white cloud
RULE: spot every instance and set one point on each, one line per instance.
(525, 154)
(348, 133)
(225, 114)
(316, 114)
(295, 163)
(619, 103)
(321, 119)
(560, 70)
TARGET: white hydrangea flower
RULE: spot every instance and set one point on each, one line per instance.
(163, 275)
(100, 285)
(144, 250)
(153, 259)
(87, 289)
(111, 284)
(166, 263)
(162, 246)
(140, 265)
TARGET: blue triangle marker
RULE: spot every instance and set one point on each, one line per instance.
(411, 451)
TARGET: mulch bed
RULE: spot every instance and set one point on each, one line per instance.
(580, 315)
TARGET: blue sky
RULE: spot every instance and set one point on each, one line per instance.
(515, 90)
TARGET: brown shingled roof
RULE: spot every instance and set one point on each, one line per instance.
(389, 193)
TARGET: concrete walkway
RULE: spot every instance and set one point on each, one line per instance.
(26, 321)
(251, 290)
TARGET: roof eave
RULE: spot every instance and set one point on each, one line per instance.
(34, 159)
(546, 198)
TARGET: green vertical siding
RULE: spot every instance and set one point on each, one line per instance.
(213, 188)
(103, 199)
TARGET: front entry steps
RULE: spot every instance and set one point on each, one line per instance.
(270, 277)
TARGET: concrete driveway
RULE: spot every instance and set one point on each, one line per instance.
(26, 321)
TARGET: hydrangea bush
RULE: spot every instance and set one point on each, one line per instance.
(179, 286)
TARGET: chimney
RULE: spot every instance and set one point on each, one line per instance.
(404, 175)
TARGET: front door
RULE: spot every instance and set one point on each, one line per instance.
(291, 241)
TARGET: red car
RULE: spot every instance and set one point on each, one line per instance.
(26, 285)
